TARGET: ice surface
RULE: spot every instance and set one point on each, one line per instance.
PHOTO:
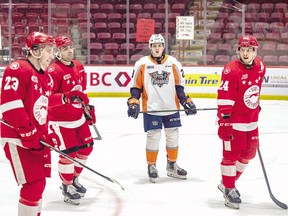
(121, 155)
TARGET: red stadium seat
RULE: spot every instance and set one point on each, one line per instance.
(135, 58)
(159, 17)
(124, 48)
(135, 8)
(214, 38)
(276, 17)
(281, 49)
(36, 8)
(267, 49)
(31, 17)
(100, 27)
(104, 37)
(114, 17)
(149, 8)
(111, 48)
(221, 59)
(267, 7)
(209, 60)
(178, 8)
(100, 17)
(144, 16)
(270, 60)
(94, 8)
(121, 59)
(78, 8)
(162, 7)
(262, 17)
(224, 49)
(86, 36)
(142, 48)
(283, 60)
(106, 8)
(114, 27)
(131, 27)
(94, 59)
(96, 48)
(120, 8)
(107, 59)
(281, 7)
(119, 37)
(211, 49)
(132, 17)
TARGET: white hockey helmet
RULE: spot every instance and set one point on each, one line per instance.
(156, 38)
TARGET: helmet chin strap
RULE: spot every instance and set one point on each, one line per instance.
(38, 58)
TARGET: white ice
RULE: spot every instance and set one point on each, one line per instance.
(120, 155)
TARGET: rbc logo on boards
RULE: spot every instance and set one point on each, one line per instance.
(122, 79)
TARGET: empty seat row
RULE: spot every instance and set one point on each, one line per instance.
(269, 60)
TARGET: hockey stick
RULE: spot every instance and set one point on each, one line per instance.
(70, 158)
(87, 115)
(181, 110)
(277, 202)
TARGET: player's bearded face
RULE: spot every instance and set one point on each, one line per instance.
(157, 49)
(67, 53)
(48, 54)
(247, 54)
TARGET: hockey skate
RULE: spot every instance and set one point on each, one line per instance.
(232, 199)
(221, 187)
(78, 187)
(174, 171)
(152, 173)
(70, 195)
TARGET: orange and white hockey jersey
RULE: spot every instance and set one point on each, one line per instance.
(157, 83)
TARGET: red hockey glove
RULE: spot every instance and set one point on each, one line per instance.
(89, 113)
(189, 106)
(133, 107)
(30, 137)
(75, 97)
(225, 131)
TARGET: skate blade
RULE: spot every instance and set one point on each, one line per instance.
(70, 201)
(174, 175)
(232, 205)
(221, 188)
(153, 180)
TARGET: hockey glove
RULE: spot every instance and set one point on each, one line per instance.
(30, 137)
(225, 131)
(133, 107)
(75, 97)
(89, 113)
(189, 106)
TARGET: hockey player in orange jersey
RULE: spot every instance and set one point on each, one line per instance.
(159, 80)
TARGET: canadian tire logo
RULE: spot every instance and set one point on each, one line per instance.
(122, 79)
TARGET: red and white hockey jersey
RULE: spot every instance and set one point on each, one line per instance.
(24, 99)
(67, 78)
(239, 93)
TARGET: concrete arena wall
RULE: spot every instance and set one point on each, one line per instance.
(201, 82)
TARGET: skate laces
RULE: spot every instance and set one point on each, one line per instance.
(232, 193)
(71, 190)
(76, 183)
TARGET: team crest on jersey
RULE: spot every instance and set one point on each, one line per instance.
(159, 78)
(67, 76)
(40, 109)
(51, 68)
(34, 79)
(251, 97)
(227, 70)
(244, 76)
(14, 66)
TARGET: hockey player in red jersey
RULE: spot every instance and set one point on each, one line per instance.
(68, 121)
(238, 110)
(159, 80)
(24, 104)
